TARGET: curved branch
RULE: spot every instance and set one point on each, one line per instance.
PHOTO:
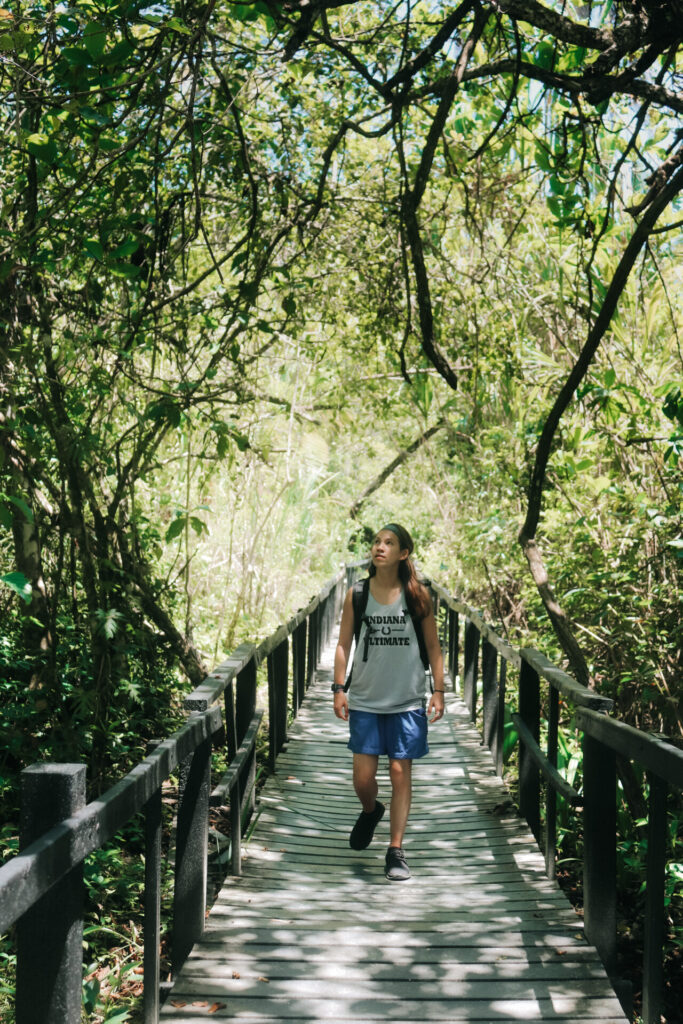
(375, 484)
(657, 206)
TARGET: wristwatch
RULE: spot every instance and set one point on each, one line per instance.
(336, 687)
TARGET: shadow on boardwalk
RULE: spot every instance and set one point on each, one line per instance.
(312, 931)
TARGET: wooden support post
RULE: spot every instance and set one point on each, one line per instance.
(471, 669)
(311, 648)
(551, 795)
(489, 692)
(653, 975)
(529, 776)
(192, 835)
(454, 653)
(599, 849)
(278, 689)
(230, 719)
(298, 666)
(500, 740)
(245, 699)
(50, 934)
(152, 925)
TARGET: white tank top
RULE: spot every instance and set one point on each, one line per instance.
(393, 677)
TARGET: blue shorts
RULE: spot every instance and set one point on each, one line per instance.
(401, 734)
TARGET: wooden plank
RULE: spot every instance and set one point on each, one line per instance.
(312, 930)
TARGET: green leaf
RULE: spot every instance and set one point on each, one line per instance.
(176, 25)
(95, 38)
(126, 248)
(108, 622)
(42, 146)
(127, 270)
(176, 528)
(198, 525)
(289, 305)
(17, 582)
(94, 248)
(21, 504)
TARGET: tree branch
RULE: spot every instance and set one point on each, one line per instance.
(393, 465)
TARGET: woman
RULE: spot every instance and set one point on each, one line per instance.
(385, 705)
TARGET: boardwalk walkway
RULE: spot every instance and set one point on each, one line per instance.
(313, 931)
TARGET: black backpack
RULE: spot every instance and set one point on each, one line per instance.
(359, 596)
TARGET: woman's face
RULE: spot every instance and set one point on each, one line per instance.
(385, 549)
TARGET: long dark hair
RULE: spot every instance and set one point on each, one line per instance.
(418, 595)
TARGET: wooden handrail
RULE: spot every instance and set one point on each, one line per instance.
(27, 877)
(50, 868)
(604, 739)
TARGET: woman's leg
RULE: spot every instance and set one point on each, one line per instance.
(364, 779)
(400, 773)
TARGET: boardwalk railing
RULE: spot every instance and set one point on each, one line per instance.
(485, 663)
(41, 889)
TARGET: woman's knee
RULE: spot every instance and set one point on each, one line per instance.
(400, 769)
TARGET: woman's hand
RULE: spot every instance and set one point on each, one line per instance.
(435, 707)
(341, 705)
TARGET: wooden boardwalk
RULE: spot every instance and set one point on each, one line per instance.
(312, 931)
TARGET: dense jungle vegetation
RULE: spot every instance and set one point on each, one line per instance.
(274, 272)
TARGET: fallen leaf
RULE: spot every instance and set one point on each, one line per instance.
(178, 1002)
(236, 974)
(263, 979)
(200, 1002)
(216, 1007)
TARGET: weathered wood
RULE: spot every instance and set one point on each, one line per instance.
(492, 734)
(550, 791)
(470, 673)
(50, 935)
(564, 683)
(659, 757)
(529, 779)
(653, 973)
(27, 877)
(189, 892)
(599, 860)
(550, 773)
(312, 931)
(152, 923)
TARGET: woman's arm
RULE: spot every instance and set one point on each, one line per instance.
(341, 656)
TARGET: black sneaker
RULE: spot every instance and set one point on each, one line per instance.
(364, 829)
(396, 869)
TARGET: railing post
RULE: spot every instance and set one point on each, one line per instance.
(152, 925)
(50, 934)
(489, 685)
(245, 707)
(454, 647)
(529, 781)
(653, 975)
(312, 652)
(500, 731)
(471, 668)
(551, 795)
(298, 666)
(192, 835)
(599, 848)
(278, 664)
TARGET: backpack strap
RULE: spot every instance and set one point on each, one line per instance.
(417, 623)
(359, 601)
